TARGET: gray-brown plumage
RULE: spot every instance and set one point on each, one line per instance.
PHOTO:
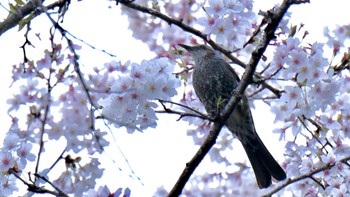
(214, 82)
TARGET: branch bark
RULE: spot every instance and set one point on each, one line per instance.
(13, 19)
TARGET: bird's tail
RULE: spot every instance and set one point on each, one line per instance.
(264, 165)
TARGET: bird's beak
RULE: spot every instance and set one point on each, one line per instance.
(188, 48)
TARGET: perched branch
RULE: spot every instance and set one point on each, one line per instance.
(327, 166)
(198, 157)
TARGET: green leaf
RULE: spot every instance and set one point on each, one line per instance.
(221, 102)
(293, 30)
(13, 8)
(24, 21)
(19, 2)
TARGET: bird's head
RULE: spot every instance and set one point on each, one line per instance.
(199, 52)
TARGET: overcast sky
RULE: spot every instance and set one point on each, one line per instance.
(155, 154)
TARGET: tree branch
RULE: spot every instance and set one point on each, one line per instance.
(182, 114)
(13, 19)
(36, 189)
(60, 192)
(198, 157)
(327, 166)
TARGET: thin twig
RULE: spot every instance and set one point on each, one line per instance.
(301, 120)
(43, 123)
(60, 192)
(36, 189)
(182, 114)
(255, 33)
(58, 158)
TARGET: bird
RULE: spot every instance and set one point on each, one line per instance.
(214, 82)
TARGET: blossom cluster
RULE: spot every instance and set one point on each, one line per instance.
(61, 106)
(229, 21)
(156, 29)
(131, 102)
(78, 180)
(48, 105)
(104, 191)
(313, 109)
(230, 184)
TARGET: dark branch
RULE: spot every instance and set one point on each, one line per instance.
(36, 189)
(182, 114)
(196, 160)
(13, 19)
(60, 192)
(327, 166)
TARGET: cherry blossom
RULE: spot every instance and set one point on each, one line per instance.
(6, 161)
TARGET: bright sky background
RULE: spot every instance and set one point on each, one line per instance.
(157, 156)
